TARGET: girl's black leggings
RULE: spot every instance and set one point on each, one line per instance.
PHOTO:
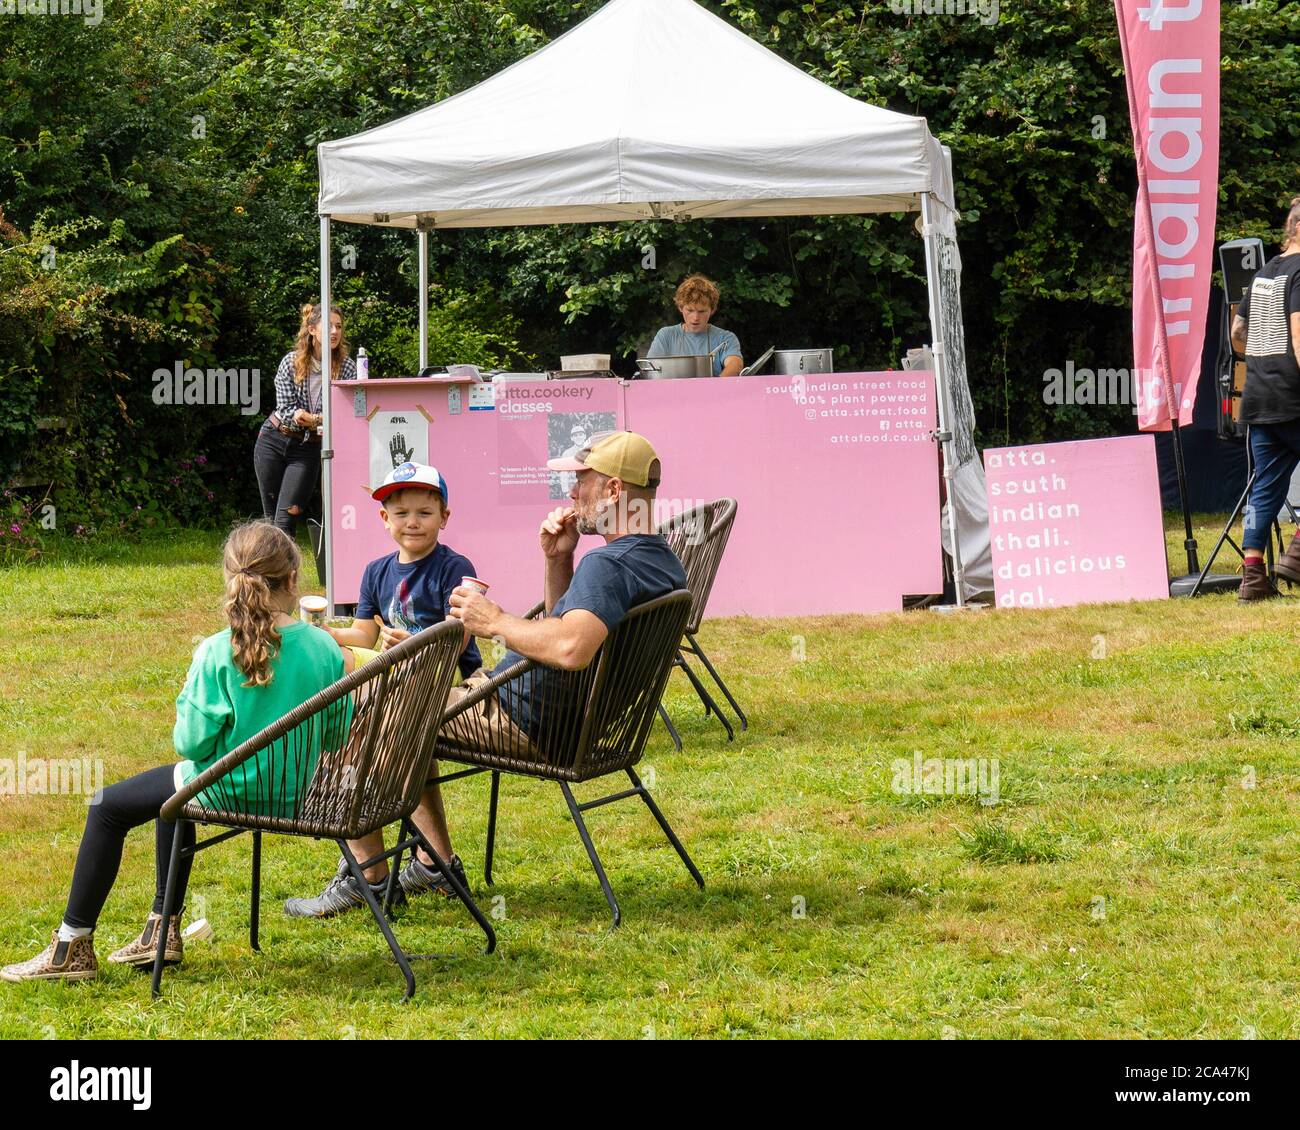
(114, 812)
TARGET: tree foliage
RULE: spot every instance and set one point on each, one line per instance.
(172, 171)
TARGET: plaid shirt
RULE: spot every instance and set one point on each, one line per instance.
(291, 396)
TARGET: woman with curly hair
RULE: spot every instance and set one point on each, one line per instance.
(287, 455)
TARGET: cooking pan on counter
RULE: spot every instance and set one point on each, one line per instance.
(675, 368)
(791, 362)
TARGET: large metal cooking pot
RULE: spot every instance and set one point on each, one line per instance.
(675, 368)
(790, 362)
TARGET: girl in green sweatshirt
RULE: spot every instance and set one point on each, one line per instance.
(241, 680)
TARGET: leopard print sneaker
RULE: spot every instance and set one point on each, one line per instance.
(62, 961)
(145, 948)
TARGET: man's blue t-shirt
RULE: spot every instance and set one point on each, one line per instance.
(673, 341)
(608, 582)
(417, 596)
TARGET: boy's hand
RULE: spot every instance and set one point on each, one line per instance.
(475, 611)
(391, 637)
(559, 532)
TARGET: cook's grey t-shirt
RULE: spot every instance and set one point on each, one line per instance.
(673, 341)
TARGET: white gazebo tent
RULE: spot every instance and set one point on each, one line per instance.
(658, 109)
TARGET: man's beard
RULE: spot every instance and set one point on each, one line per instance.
(599, 521)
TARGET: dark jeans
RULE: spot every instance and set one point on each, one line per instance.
(288, 471)
(1276, 448)
(117, 810)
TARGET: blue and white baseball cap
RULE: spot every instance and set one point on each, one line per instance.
(412, 475)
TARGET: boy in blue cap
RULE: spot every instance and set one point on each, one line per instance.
(407, 591)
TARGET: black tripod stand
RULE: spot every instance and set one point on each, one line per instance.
(1251, 472)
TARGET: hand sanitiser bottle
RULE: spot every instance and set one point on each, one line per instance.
(363, 365)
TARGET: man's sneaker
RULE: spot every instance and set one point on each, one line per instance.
(60, 961)
(416, 878)
(144, 949)
(342, 893)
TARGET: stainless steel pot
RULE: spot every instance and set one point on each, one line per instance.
(790, 362)
(675, 368)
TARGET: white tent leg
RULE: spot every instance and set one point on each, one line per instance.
(327, 447)
(932, 272)
(422, 243)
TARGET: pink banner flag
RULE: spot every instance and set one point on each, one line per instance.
(1171, 63)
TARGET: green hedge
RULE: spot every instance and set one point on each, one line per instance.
(159, 208)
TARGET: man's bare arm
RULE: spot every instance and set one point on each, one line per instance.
(559, 575)
(569, 642)
(1239, 328)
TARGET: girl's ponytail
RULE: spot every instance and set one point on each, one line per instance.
(258, 560)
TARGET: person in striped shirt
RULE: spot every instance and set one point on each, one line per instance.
(1266, 331)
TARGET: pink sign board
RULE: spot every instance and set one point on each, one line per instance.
(1076, 523)
(491, 447)
(836, 478)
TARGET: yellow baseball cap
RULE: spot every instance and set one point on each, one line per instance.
(620, 455)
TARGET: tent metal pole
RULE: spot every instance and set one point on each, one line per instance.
(327, 446)
(422, 242)
(939, 348)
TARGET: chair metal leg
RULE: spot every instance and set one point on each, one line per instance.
(169, 901)
(492, 827)
(378, 913)
(405, 830)
(699, 651)
(462, 892)
(672, 730)
(706, 698)
(576, 813)
(667, 829)
(254, 912)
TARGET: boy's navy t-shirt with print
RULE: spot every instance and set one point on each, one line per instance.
(417, 596)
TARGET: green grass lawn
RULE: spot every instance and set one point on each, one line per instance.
(1137, 877)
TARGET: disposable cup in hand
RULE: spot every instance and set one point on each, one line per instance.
(473, 583)
(311, 610)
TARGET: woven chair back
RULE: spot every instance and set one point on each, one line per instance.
(349, 760)
(575, 725)
(699, 538)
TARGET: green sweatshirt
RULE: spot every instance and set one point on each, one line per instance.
(215, 713)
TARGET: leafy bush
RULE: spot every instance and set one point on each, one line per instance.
(174, 177)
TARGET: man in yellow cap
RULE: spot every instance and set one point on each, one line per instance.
(617, 476)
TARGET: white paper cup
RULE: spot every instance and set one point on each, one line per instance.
(200, 931)
(474, 583)
(311, 610)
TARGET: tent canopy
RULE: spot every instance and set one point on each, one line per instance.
(649, 109)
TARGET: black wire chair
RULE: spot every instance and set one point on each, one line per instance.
(345, 763)
(571, 726)
(699, 538)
